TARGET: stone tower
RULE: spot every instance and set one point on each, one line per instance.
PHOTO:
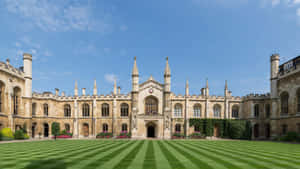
(167, 101)
(27, 59)
(135, 97)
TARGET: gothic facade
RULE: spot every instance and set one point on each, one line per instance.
(150, 109)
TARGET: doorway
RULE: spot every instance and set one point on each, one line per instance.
(85, 130)
(151, 131)
(46, 130)
(33, 130)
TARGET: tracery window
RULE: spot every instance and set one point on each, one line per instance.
(178, 110)
(1, 96)
(33, 109)
(46, 109)
(16, 100)
(217, 110)
(235, 111)
(177, 128)
(67, 110)
(105, 128)
(256, 110)
(124, 127)
(151, 106)
(197, 110)
(268, 110)
(85, 110)
(105, 110)
(284, 103)
(124, 109)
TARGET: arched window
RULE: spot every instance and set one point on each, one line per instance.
(256, 110)
(67, 110)
(46, 109)
(85, 110)
(124, 109)
(105, 109)
(151, 106)
(298, 101)
(284, 129)
(217, 110)
(104, 128)
(124, 127)
(33, 109)
(67, 127)
(2, 87)
(235, 111)
(197, 110)
(178, 110)
(284, 98)
(16, 99)
(268, 110)
(177, 128)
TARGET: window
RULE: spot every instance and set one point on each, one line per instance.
(256, 110)
(235, 111)
(284, 129)
(67, 110)
(16, 100)
(151, 106)
(46, 113)
(105, 128)
(284, 98)
(197, 110)
(217, 110)
(67, 127)
(298, 101)
(177, 128)
(124, 127)
(1, 96)
(33, 109)
(124, 109)
(105, 110)
(85, 110)
(268, 111)
(178, 110)
(197, 128)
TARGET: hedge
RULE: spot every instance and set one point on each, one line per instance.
(7, 134)
(228, 128)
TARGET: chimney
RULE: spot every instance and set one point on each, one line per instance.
(83, 91)
(56, 91)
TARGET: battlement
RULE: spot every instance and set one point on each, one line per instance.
(257, 96)
(12, 70)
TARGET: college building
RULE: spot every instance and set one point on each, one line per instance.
(151, 109)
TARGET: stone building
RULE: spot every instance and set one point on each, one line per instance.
(150, 109)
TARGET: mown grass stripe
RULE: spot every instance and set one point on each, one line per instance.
(257, 157)
(201, 164)
(232, 156)
(213, 157)
(127, 160)
(172, 160)
(149, 161)
(102, 160)
(139, 159)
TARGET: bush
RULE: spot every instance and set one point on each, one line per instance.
(66, 133)
(177, 135)
(291, 137)
(197, 135)
(7, 134)
(124, 134)
(104, 135)
(55, 128)
(20, 135)
(0, 136)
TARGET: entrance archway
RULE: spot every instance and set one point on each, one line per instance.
(216, 130)
(85, 130)
(46, 130)
(268, 131)
(151, 133)
(256, 130)
(33, 130)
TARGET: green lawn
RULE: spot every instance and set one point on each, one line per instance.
(148, 154)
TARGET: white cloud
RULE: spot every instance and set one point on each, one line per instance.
(296, 2)
(110, 78)
(56, 15)
(275, 2)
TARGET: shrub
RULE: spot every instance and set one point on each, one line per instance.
(66, 133)
(290, 136)
(124, 134)
(104, 135)
(177, 135)
(20, 135)
(0, 136)
(7, 134)
(197, 135)
(55, 129)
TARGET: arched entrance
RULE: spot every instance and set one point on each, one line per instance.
(151, 133)
(256, 130)
(268, 131)
(216, 130)
(85, 129)
(33, 130)
(46, 130)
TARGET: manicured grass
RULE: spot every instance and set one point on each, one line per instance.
(149, 154)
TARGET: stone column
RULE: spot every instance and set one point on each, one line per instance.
(206, 108)
(76, 132)
(94, 117)
(114, 115)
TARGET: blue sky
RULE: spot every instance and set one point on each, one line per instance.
(97, 39)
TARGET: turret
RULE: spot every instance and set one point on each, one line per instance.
(167, 77)
(274, 74)
(187, 89)
(83, 93)
(135, 77)
(76, 89)
(27, 59)
(95, 88)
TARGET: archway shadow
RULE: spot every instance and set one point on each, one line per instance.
(48, 163)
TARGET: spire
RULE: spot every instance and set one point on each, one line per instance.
(95, 88)
(207, 88)
(226, 85)
(115, 87)
(167, 69)
(206, 82)
(76, 89)
(187, 90)
(135, 71)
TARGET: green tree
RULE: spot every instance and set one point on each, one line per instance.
(55, 128)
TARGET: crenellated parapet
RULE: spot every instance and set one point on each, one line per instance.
(253, 96)
(6, 67)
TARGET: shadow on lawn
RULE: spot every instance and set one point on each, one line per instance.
(50, 163)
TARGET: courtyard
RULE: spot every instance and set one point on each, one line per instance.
(148, 154)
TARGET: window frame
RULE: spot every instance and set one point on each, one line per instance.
(105, 110)
(124, 110)
(197, 110)
(178, 110)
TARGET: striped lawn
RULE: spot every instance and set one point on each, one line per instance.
(149, 154)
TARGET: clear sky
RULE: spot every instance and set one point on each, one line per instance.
(98, 39)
